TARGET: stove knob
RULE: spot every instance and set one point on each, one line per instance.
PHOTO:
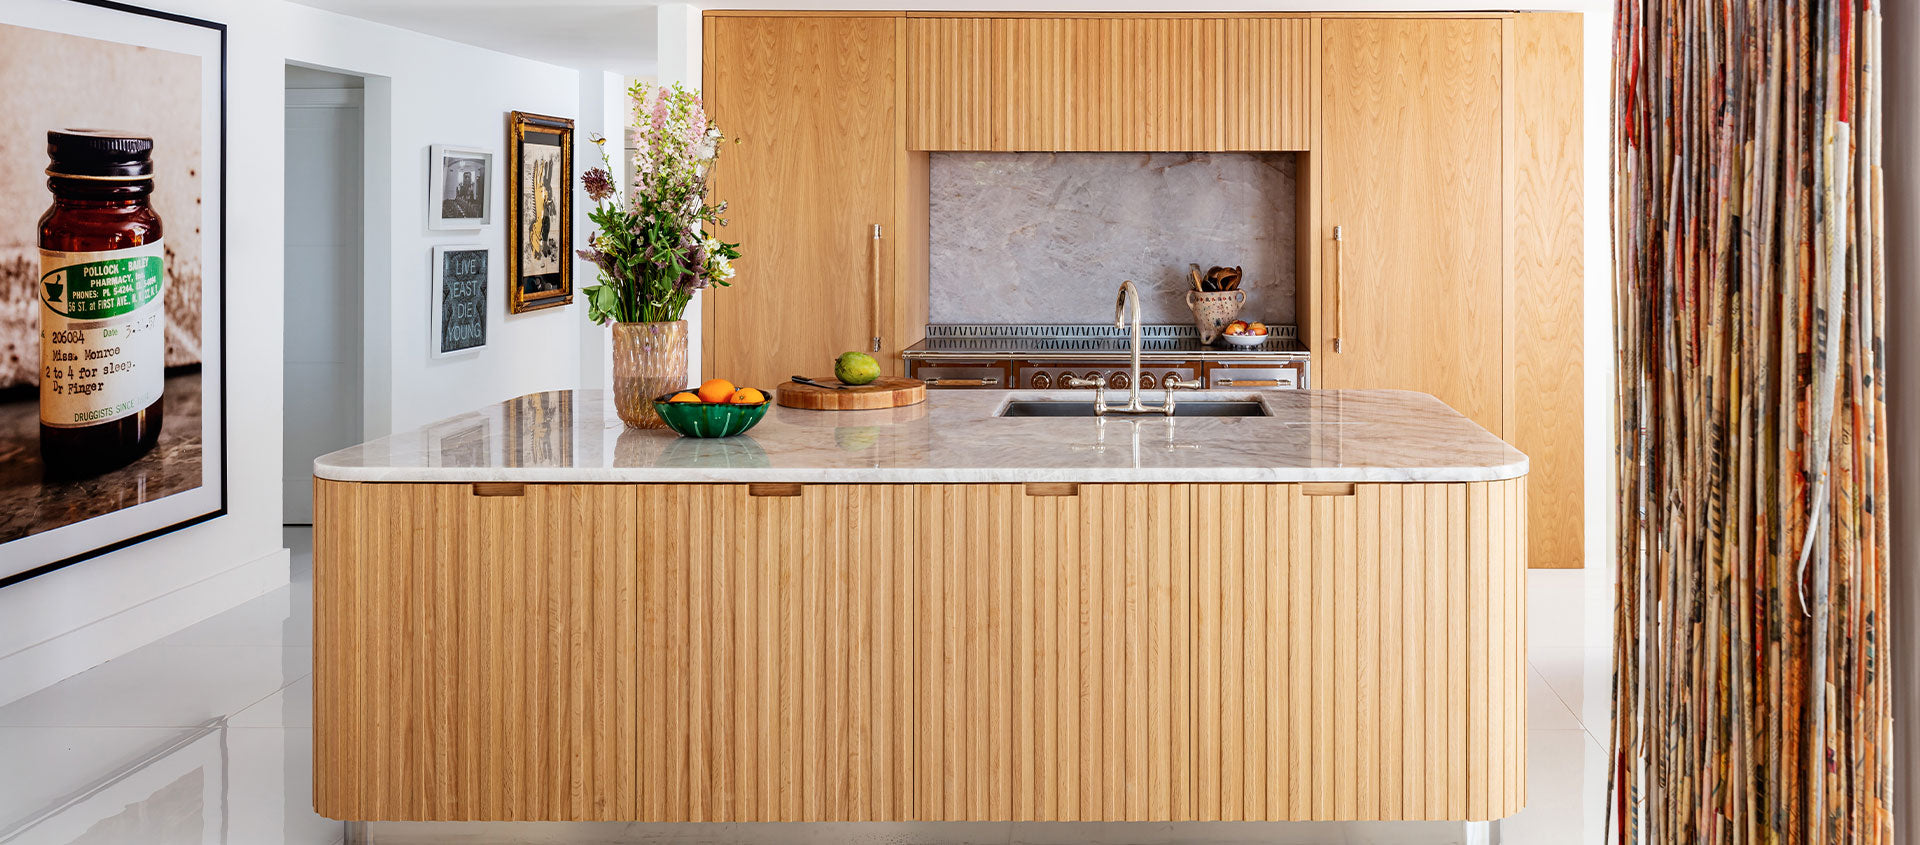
(1040, 381)
(1119, 381)
(1146, 381)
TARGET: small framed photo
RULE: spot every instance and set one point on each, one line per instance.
(459, 300)
(539, 212)
(459, 187)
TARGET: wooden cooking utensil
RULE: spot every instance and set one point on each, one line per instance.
(1223, 278)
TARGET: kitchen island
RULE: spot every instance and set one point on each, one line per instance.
(529, 612)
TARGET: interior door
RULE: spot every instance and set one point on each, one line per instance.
(323, 402)
(1411, 139)
(810, 101)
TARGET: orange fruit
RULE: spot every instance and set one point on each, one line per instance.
(748, 396)
(716, 390)
(684, 396)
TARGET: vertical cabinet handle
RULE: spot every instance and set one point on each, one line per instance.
(876, 287)
(1339, 278)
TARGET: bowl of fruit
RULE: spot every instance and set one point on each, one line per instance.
(1243, 333)
(714, 409)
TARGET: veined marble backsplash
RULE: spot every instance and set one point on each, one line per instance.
(1049, 237)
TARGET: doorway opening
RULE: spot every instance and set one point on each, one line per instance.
(324, 276)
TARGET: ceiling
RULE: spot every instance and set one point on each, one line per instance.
(614, 35)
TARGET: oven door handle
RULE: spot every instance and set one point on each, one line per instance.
(989, 381)
(1223, 381)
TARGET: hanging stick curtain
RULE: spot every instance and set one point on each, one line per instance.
(1751, 698)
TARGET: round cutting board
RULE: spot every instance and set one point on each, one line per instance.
(884, 392)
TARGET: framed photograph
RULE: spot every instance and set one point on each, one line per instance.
(539, 212)
(459, 187)
(459, 300)
(113, 399)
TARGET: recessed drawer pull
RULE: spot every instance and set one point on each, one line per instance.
(989, 381)
(1052, 488)
(774, 490)
(1327, 488)
(499, 488)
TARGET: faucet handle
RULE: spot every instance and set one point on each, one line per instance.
(1098, 381)
(1172, 383)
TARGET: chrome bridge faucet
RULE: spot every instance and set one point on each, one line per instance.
(1128, 293)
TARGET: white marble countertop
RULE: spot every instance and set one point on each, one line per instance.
(953, 437)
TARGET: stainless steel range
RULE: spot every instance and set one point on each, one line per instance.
(1044, 357)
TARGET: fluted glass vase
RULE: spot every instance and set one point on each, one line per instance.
(649, 359)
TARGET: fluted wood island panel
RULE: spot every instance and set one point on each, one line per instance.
(788, 652)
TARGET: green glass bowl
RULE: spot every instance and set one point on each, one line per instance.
(707, 419)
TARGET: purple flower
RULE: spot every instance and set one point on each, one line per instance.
(599, 184)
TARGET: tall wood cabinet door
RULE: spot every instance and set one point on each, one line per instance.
(1052, 672)
(811, 102)
(1413, 289)
(775, 653)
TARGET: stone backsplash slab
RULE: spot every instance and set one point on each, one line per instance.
(1048, 237)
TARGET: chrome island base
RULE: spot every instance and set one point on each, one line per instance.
(509, 650)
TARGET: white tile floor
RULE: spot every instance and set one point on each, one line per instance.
(206, 737)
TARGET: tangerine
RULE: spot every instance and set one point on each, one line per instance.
(716, 390)
(748, 396)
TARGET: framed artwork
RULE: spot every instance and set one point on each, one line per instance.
(113, 399)
(539, 212)
(459, 187)
(459, 300)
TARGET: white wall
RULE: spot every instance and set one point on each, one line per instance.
(1902, 136)
(441, 92)
(678, 28)
(420, 91)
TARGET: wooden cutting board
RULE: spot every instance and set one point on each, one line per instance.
(884, 392)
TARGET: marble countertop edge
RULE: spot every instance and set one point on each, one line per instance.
(954, 437)
(1088, 475)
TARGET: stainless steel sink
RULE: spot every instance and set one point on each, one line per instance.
(1189, 408)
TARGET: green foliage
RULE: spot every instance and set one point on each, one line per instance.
(652, 245)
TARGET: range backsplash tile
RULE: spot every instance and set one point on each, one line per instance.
(1048, 237)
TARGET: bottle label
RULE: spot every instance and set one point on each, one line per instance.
(103, 342)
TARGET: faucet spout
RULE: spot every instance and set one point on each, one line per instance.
(1134, 406)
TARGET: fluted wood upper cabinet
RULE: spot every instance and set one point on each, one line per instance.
(1111, 83)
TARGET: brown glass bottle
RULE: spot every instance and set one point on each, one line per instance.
(102, 315)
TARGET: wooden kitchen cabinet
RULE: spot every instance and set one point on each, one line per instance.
(1111, 83)
(1450, 233)
(1350, 641)
(535, 655)
(1053, 680)
(898, 652)
(811, 102)
(1412, 285)
(1445, 149)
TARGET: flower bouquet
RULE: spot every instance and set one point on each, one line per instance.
(651, 244)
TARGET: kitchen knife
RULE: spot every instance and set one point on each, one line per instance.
(808, 381)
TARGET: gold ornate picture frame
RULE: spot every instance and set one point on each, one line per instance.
(539, 212)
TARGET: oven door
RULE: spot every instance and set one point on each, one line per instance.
(1282, 377)
(962, 376)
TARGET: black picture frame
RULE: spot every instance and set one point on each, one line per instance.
(218, 353)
